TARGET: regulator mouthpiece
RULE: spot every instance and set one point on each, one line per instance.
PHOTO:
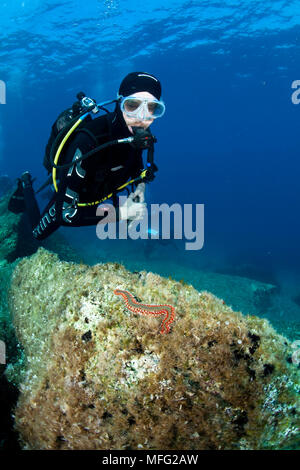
(143, 139)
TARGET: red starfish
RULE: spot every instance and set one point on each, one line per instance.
(145, 309)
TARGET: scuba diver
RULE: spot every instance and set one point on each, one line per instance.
(103, 157)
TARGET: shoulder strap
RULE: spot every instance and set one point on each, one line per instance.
(89, 133)
(94, 137)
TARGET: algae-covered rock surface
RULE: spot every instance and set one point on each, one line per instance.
(96, 375)
(16, 238)
(9, 229)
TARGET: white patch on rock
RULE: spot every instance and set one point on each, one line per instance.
(139, 367)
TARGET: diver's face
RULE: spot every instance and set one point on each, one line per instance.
(138, 122)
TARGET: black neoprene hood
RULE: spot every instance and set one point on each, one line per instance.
(140, 81)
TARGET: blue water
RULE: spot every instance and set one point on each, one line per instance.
(229, 138)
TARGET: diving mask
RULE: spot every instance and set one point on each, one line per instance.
(142, 108)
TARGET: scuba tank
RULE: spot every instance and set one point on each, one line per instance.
(62, 124)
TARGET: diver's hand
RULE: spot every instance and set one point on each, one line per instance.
(134, 207)
(139, 193)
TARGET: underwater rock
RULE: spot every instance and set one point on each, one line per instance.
(9, 223)
(240, 293)
(16, 238)
(6, 184)
(7, 332)
(9, 352)
(8, 398)
(98, 376)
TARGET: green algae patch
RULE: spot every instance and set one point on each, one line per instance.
(97, 376)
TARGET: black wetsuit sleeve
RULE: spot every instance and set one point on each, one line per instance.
(73, 179)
